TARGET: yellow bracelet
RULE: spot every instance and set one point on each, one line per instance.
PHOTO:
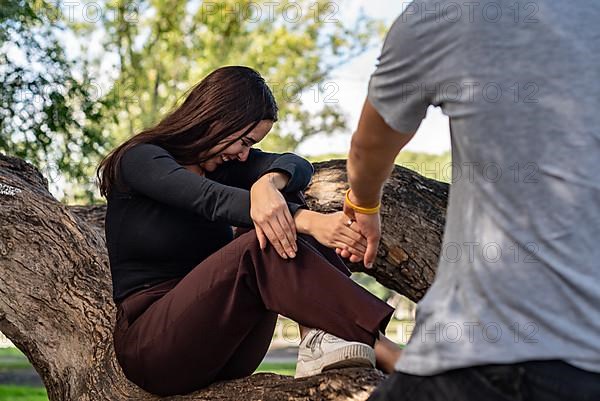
(359, 209)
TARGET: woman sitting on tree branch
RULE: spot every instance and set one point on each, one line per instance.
(197, 305)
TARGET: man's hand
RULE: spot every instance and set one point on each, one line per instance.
(369, 225)
(373, 149)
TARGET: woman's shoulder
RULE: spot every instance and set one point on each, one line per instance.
(145, 148)
(141, 153)
(135, 160)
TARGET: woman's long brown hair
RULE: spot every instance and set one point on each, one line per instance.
(227, 100)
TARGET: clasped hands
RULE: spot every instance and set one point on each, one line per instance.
(353, 235)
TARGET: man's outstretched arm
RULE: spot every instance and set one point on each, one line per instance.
(373, 149)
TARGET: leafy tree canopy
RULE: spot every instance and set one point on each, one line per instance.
(65, 113)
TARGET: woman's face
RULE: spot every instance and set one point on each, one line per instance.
(239, 149)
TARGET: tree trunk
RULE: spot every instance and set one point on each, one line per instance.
(56, 300)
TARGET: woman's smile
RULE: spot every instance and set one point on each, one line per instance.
(240, 149)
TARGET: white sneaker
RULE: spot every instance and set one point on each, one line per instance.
(320, 351)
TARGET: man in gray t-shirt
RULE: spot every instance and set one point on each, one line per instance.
(517, 292)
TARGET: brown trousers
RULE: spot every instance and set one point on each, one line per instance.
(217, 322)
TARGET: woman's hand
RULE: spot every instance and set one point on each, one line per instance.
(271, 215)
(332, 230)
(370, 226)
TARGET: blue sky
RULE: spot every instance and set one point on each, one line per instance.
(433, 135)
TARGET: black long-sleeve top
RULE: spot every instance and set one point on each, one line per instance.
(171, 219)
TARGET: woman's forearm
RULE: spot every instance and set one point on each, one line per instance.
(278, 179)
(305, 221)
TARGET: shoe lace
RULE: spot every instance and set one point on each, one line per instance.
(316, 339)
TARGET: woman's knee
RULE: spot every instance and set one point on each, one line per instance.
(324, 252)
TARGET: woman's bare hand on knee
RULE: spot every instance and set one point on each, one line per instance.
(271, 216)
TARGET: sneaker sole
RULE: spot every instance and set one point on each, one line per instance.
(356, 355)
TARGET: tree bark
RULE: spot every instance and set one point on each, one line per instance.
(56, 294)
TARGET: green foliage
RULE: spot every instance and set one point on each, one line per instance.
(60, 115)
(164, 47)
(437, 167)
(48, 113)
(326, 156)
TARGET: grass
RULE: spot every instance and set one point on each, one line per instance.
(22, 393)
(10, 351)
(279, 368)
(12, 359)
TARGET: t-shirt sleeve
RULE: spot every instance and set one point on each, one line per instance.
(153, 172)
(399, 87)
(245, 174)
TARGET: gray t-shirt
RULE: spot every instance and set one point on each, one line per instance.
(519, 270)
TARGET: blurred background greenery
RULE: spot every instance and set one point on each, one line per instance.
(80, 79)
(63, 108)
